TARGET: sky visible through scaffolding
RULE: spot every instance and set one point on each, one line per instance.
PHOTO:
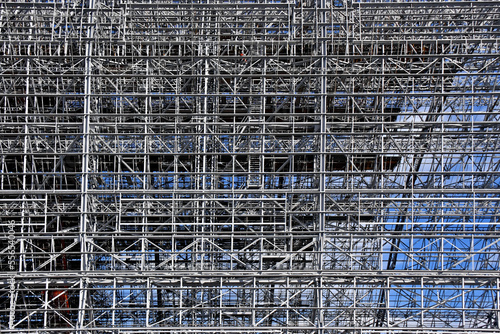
(230, 166)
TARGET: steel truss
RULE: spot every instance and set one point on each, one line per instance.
(250, 166)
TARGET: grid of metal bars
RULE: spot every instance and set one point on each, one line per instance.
(249, 166)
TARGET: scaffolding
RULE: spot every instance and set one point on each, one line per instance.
(249, 166)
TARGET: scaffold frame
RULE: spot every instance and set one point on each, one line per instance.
(249, 166)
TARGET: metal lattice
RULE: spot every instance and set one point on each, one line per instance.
(249, 166)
